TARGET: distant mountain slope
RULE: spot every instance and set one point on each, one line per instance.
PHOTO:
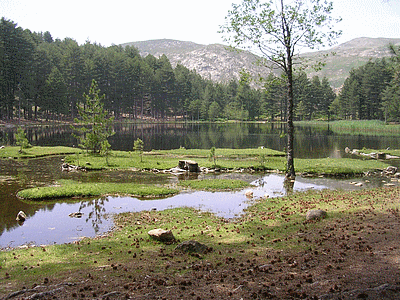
(219, 63)
(349, 55)
(215, 62)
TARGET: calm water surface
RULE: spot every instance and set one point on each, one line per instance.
(48, 222)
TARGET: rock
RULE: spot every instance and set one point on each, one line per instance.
(347, 150)
(2, 147)
(249, 194)
(391, 170)
(76, 215)
(21, 216)
(193, 247)
(316, 214)
(162, 235)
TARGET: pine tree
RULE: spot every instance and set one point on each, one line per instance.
(96, 127)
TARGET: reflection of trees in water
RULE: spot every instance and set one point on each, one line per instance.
(288, 185)
(96, 215)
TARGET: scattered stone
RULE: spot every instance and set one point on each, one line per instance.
(71, 168)
(193, 247)
(316, 214)
(21, 216)
(249, 194)
(390, 171)
(76, 215)
(165, 236)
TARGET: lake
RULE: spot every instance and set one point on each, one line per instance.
(49, 222)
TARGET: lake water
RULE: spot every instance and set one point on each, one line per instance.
(49, 222)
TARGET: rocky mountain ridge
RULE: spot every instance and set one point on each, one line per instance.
(221, 63)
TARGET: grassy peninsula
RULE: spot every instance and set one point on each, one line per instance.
(225, 160)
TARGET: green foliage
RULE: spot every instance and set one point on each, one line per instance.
(361, 97)
(96, 126)
(212, 156)
(277, 30)
(22, 140)
(138, 146)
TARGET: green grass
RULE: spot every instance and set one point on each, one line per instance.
(338, 166)
(69, 189)
(358, 127)
(258, 159)
(13, 151)
(214, 184)
(268, 224)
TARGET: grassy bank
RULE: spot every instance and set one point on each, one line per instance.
(129, 254)
(231, 159)
(69, 189)
(355, 127)
(13, 151)
(214, 184)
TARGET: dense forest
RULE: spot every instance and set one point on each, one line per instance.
(42, 78)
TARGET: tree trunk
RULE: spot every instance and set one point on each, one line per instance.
(290, 172)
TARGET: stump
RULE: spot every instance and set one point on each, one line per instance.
(381, 155)
(189, 165)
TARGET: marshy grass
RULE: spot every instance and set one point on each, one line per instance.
(231, 159)
(70, 189)
(355, 127)
(214, 184)
(36, 151)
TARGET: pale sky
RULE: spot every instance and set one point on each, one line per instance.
(123, 21)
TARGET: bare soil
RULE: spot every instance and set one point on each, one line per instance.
(355, 258)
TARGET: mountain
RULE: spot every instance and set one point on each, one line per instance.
(349, 55)
(220, 63)
(216, 62)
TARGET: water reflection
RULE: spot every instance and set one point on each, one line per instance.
(310, 142)
(51, 223)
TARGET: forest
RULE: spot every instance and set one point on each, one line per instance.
(45, 79)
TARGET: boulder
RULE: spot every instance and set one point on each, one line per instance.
(316, 214)
(193, 247)
(21, 216)
(165, 236)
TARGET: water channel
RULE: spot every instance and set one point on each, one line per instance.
(49, 222)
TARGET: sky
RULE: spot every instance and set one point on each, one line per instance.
(123, 21)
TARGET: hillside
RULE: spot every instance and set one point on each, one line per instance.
(349, 55)
(219, 63)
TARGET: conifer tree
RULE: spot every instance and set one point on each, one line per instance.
(96, 127)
